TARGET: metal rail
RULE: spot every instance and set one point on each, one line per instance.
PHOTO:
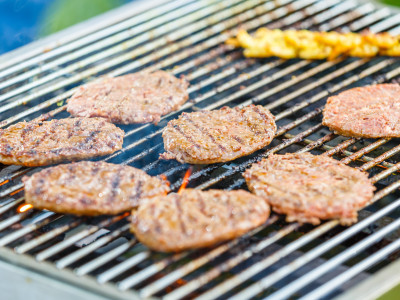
(128, 266)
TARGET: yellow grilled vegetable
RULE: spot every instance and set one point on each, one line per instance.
(315, 45)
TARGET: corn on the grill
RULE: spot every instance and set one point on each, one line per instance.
(315, 45)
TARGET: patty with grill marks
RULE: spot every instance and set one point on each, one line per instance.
(40, 143)
(134, 98)
(196, 219)
(310, 188)
(207, 137)
(370, 112)
(91, 188)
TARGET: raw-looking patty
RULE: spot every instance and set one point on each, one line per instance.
(195, 219)
(91, 188)
(134, 98)
(40, 143)
(207, 137)
(370, 111)
(309, 188)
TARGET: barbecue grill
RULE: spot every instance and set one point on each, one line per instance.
(97, 258)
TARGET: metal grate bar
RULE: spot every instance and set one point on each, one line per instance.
(298, 138)
(370, 162)
(350, 252)
(316, 144)
(85, 35)
(182, 21)
(183, 291)
(27, 229)
(157, 267)
(170, 60)
(11, 189)
(73, 257)
(114, 269)
(297, 79)
(161, 52)
(130, 146)
(387, 190)
(156, 286)
(63, 96)
(46, 237)
(12, 220)
(288, 269)
(129, 263)
(294, 108)
(237, 280)
(366, 149)
(153, 269)
(10, 205)
(16, 174)
(333, 224)
(294, 94)
(358, 268)
(75, 238)
(103, 259)
(339, 86)
(236, 260)
(143, 28)
(379, 14)
(207, 277)
(381, 158)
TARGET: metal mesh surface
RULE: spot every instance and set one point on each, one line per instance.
(277, 260)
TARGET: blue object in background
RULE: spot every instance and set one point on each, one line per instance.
(19, 22)
(23, 21)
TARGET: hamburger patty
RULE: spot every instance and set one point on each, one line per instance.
(370, 111)
(207, 137)
(309, 188)
(91, 188)
(40, 143)
(195, 219)
(134, 98)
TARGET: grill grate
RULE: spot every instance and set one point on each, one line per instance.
(277, 260)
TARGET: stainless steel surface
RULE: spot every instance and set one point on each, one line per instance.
(277, 260)
(21, 284)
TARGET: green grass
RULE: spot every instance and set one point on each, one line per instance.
(65, 13)
(391, 2)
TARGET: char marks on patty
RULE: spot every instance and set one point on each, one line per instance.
(195, 219)
(91, 188)
(40, 143)
(370, 112)
(134, 98)
(206, 137)
(309, 188)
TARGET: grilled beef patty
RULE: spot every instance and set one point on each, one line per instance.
(309, 188)
(207, 137)
(134, 98)
(91, 188)
(195, 219)
(370, 111)
(40, 143)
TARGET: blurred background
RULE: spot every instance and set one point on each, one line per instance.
(23, 21)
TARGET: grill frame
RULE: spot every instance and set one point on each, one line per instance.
(111, 290)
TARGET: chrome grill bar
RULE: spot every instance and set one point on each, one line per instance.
(140, 25)
(154, 45)
(368, 262)
(332, 263)
(86, 34)
(195, 101)
(130, 270)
